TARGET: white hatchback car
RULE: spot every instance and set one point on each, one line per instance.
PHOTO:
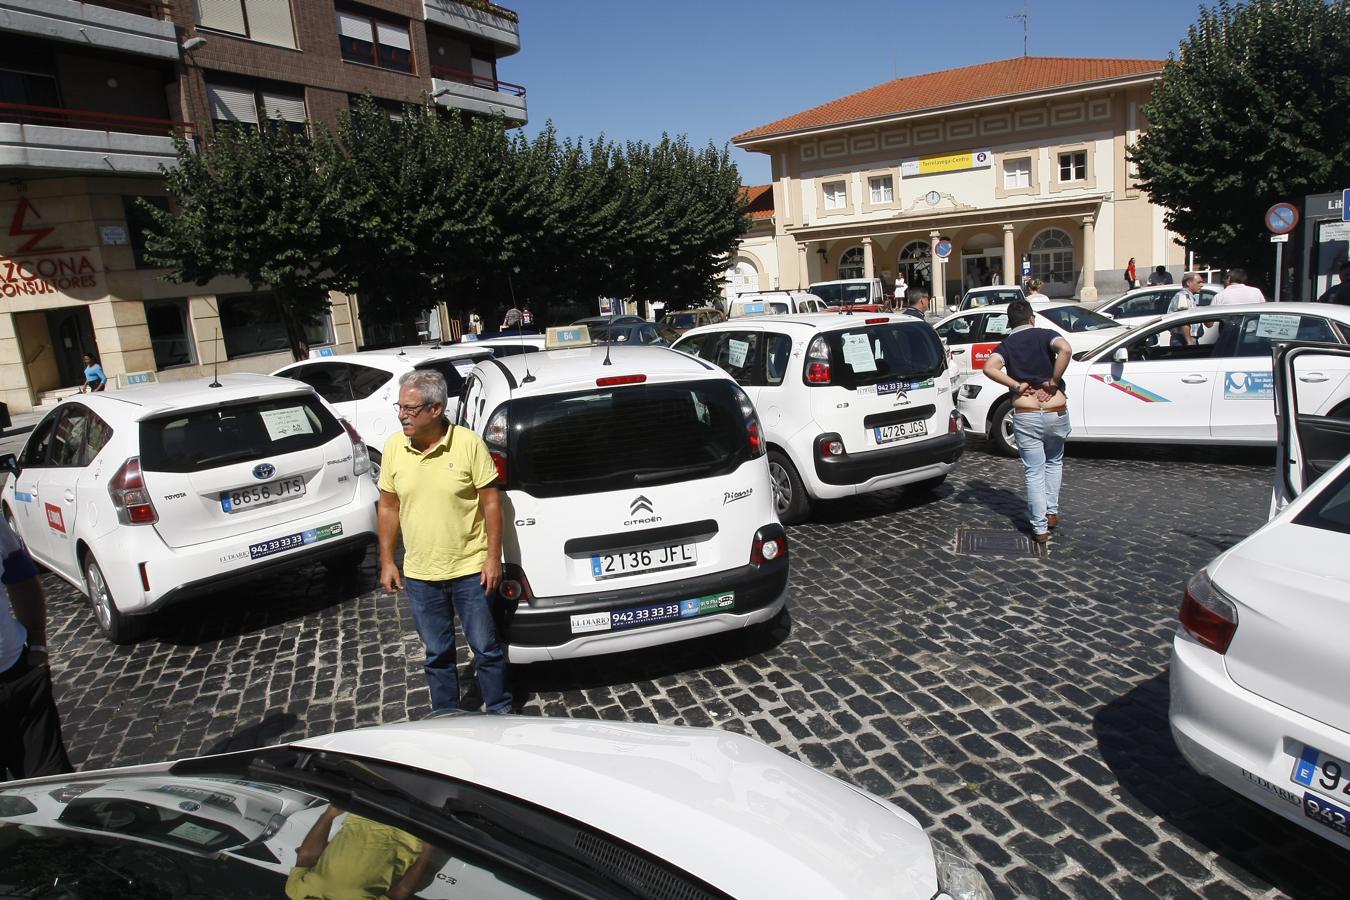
(1140, 387)
(636, 500)
(991, 295)
(850, 403)
(1259, 668)
(774, 303)
(1148, 303)
(476, 806)
(363, 386)
(163, 493)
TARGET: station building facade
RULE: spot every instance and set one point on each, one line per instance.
(1020, 164)
(92, 93)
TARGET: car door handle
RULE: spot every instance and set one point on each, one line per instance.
(1313, 378)
(958, 350)
(1194, 379)
(70, 496)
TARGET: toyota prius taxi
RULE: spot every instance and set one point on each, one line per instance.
(1259, 665)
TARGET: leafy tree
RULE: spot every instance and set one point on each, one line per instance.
(257, 204)
(1253, 109)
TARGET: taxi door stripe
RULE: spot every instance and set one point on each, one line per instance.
(1133, 390)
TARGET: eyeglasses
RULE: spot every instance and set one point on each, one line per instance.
(410, 410)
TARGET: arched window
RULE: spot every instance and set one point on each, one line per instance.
(851, 263)
(916, 264)
(1051, 256)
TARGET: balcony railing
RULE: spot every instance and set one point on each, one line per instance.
(155, 9)
(26, 114)
(491, 84)
(500, 12)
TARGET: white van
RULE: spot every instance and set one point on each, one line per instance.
(853, 292)
(850, 403)
(774, 303)
(636, 499)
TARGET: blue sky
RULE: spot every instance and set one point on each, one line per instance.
(710, 69)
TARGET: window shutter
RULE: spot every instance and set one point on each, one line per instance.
(270, 21)
(287, 108)
(230, 104)
(394, 36)
(225, 15)
(355, 27)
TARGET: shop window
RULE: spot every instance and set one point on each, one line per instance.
(139, 221)
(881, 189)
(851, 263)
(268, 21)
(170, 333)
(835, 195)
(375, 42)
(1017, 173)
(1073, 166)
(1051, 257)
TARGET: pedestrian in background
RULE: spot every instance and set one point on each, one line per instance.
(1034, 290)
(1031, 362)
(1186, 298)
(1237, 290)
(916, 304)
(436, 490)
(1339, 293)
(1131, 275)
(901, 287)
(30, 727)
(1160, 276)
(94, 379)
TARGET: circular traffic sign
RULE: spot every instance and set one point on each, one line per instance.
(943, 248)
(1282, 218)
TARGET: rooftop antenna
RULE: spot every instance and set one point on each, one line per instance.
(1025, 16)
(215, 363)
(520, 334)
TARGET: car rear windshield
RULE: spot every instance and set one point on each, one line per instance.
(631, 436)
(197, 439)
(453, 380)
(1331, 508)
(1075, 320)
(993, 298)
(682, 320)
(874, 354)
(850, 295)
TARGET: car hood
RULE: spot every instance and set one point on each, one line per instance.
(727, 808)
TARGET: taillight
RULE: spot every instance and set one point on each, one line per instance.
(129, 495)
(752, 430)
(875, 321)
(770, 543)
(496, 436)
(360, 456)
(829, 445)
(954, 423)
(1208, 614)
(514, 587)
(818, 361)
(620, 379)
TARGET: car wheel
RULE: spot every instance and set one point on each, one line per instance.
(929, 484)
(345, 562)
(117, 627)
(789, 494)
(1001, 429)
(375, 460)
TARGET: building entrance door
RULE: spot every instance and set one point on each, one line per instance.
(979, 268)
(72, 335)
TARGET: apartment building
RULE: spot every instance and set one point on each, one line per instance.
(1019, 164)
(91, 93)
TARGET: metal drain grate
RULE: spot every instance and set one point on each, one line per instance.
(987, 542)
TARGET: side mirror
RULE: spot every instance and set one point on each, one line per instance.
(9, 463)
(1121, 355)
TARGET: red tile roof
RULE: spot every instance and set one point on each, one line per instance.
(760, 198)
(985, 81)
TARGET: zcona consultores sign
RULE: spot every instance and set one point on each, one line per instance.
(33, 261)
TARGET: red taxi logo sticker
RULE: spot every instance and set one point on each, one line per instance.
(55, 519)
(980, 353)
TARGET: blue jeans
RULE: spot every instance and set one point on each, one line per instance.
(434, 605)
(1040, 445)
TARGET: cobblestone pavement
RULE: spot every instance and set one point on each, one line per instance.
(1018, 708)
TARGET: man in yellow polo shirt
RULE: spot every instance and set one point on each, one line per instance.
(436, 487)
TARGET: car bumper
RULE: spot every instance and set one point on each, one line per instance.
(1244, 741)
(546, 632)
(875, 470)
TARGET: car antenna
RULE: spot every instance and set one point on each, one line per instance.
(215, 373)
(520, 334)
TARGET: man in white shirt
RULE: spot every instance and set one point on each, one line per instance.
(30, 729)
(1237, 290)
(1186, 298)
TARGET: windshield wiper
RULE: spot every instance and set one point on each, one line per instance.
(646, 476)
(231, 456)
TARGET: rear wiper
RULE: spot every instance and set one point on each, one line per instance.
(645, 476)
(231, 456)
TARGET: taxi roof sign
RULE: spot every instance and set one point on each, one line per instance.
(567, 336)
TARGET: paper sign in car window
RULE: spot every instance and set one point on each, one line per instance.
(286, 422)
(736, 351)
(858, 353)
(189, 831)
(1279, 327)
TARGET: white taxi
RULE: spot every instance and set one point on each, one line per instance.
(850, 403)
(635, 495)
(972, 334)
(1149, 386)
(1258, 668)
(166, 492)
(363, 386)
(1145, 304)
